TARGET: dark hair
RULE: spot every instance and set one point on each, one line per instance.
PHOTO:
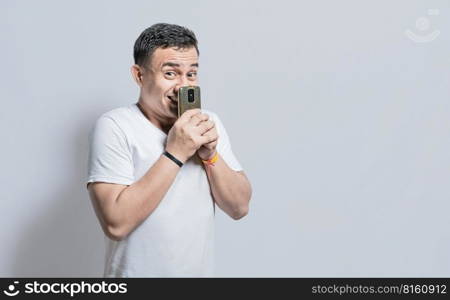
(162, 35)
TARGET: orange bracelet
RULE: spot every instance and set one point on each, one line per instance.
(212, 160)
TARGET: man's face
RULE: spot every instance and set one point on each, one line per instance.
(169, 69)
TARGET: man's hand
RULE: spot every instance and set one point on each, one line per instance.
(207, 151)
(189, 133)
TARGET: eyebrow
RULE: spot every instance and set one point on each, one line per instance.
(171, 64)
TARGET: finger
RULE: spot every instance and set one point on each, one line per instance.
(211, 141)
(206, 139)
(198, 118)
(211, 130)
(205, 127)
(212, 145)
(187, 115)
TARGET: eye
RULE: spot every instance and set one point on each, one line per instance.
(170, 74)
(192, 74)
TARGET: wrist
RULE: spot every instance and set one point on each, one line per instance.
(176, 154)
(212, 159)
(173, 158)
(208, 156)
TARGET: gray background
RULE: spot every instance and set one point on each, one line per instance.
(340, 120)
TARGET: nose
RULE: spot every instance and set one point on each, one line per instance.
(183, 81)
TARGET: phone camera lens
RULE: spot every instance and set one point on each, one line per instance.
(190, 96)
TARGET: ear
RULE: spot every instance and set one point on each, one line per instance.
(136, 72)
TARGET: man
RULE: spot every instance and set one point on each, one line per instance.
(154, 178)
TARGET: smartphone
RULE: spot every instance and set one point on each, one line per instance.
(188, 98)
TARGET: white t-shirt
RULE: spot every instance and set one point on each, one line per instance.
(176, 239)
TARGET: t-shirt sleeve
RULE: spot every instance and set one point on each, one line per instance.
(224, 146)
(110, 159)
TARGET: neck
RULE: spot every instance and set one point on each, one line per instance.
(163, 124)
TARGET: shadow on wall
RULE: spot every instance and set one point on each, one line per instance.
(67, 240)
